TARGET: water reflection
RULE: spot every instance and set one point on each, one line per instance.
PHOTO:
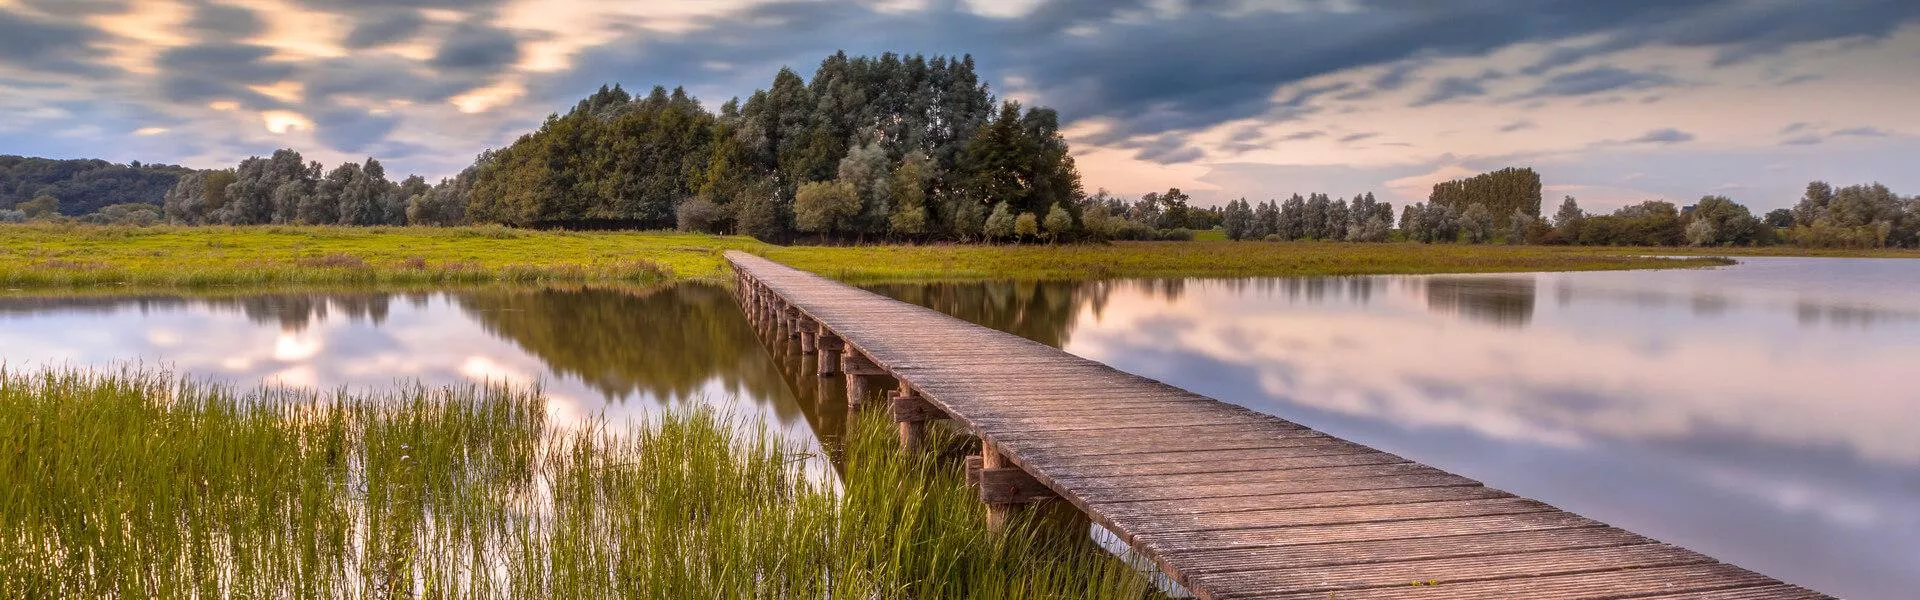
(620, 352)
(1759, 413)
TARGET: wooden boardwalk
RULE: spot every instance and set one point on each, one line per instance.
(1229, 502)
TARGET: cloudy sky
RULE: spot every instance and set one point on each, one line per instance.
(1612, 101)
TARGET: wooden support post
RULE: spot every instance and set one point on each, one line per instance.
(856, 388)
(1005, 487)
(912, 413)
(830, 345)
(793, 321)
(807, 345)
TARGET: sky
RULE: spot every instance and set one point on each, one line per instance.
(1613, 102)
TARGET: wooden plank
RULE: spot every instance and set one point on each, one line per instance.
(1200, 562)
(1247, 477)
(1214, 467)
(1356, 532)
(1234, 490)
(1336, 515)
(1156, 509)
(1441, 571)
(1624, 583)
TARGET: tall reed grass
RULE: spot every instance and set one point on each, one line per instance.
(136, 483)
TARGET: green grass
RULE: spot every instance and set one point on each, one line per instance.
(75, 257)
(137, 484)
(872, 264)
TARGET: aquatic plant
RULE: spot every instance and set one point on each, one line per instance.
(137, 483)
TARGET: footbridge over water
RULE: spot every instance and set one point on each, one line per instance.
(1228, 502)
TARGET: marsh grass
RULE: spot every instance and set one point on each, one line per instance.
(83, 256)
(137, 483)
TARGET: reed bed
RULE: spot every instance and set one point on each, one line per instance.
(135, 483)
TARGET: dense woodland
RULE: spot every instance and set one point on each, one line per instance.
(896, 148)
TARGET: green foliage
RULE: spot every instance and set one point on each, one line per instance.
(826, 207)
(1059, 222)
(1502, 192)
(1476, 224)
(42, 206)
(908, 189)
(1718, 221)
(1000, 223)
(1026, 226)
(85, 185)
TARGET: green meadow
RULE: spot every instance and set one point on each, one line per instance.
(82, 256)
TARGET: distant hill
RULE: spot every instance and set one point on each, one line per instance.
(84, 185)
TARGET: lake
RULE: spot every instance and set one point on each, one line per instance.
(1763, 413)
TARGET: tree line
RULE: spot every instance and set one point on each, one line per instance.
(893, 147)
(1314, 217)
(50, 187)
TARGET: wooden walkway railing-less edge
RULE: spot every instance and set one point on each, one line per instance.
(1228, 502)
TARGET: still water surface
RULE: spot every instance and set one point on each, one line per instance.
(1766, 414)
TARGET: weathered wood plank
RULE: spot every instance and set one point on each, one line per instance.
(1624, 583)
(1388, 551)
(1442, 571)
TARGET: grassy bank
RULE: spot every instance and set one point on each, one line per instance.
(134, 484)
(45, 256)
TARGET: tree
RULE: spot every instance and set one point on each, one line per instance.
(761, 214)
(1519, 225)
(42, 206)
(1476, 222)
(1780, 218)
(1313, 220)
(130, 213)
(1502, 192)
(1718, 220)
(1059, 222)
(1000, 223)
(826, 207)
(1813, 204)
(1238, 222)
(1266, 220)
(1568, 219)
(1293, 219)
(697, 214)
(867, 169)
(909, 193)
(1026, 226)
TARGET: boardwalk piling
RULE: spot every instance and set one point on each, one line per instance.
(830, 345)
(912, 413)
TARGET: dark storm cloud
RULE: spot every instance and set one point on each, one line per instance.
(221, 22)
(385, 77)
(203, 73)
(1741, 29)
(47, 46)
(1600, 79)
(1666, 135)
(477, 46)
(77, 8)
(1396, 77)
(1451, 88)
(385, 27)
(352, 130)
(1861, 132)
(1169, 149)
(1517, 125)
